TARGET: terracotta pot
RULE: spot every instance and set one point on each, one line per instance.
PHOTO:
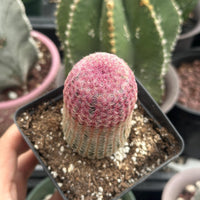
(178, 182)
(7, 108)
(172, 90)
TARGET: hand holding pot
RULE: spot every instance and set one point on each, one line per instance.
(17, 162)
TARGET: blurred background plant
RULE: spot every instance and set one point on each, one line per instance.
(18, 51)
(29, 61)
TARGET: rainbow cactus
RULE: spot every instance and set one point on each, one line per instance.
(18, 51)
(99, 97)
(142, 32)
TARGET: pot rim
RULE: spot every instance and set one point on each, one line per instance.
(178, 181)
(172, 90)
(55, 65)
(187, 109)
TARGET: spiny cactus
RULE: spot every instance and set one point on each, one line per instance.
(142, 32)
(18, 52)
(99, 97)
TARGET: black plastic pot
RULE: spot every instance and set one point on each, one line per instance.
(149, 105)
(186, 120)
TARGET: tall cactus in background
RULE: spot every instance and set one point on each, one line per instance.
(142, 32)
(18, 51)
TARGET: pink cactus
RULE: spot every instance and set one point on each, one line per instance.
(99, 97)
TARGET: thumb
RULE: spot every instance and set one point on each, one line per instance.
(56, 196)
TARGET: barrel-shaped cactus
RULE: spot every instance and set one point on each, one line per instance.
(142, 32)
(18, 52)
(99, 97)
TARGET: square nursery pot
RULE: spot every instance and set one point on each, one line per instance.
(152, 144)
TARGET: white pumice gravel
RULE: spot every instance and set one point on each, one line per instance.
(48, 197)
(70, 168)
(54, 174)
(38, 67)
(36, 146)
(64, 169)
(12, 95)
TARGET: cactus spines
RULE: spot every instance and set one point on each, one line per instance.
(18, 52)
(111, 27)
(99, 97)
(152, 39)
(142, 32)
(114, 32)
(87, 35)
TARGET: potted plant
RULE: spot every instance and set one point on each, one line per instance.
(100, 135)
(186, 114)
(137, 31)
(184, 184)
(28, 66)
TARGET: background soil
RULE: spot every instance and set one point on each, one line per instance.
(35, 77)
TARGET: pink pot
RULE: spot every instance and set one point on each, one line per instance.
(178, 182)
(8, 108)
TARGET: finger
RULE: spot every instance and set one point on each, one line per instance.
(12, 141)
(11, 144)
(56, 196)
(26, 163)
